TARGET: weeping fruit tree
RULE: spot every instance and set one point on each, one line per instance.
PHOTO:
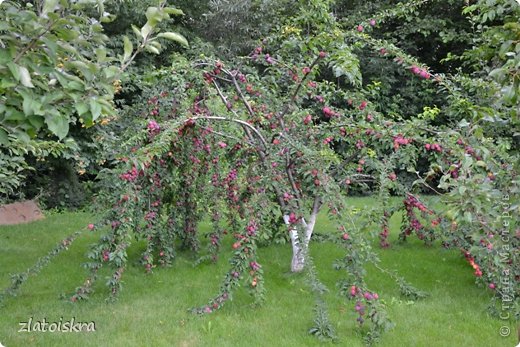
(261, 146)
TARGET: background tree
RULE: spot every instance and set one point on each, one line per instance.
(56, 74)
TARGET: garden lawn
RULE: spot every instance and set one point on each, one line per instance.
(152, 310)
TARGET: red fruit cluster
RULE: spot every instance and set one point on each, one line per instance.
(475, 266)
(256, 52)
(153, 127)
(254, 266)
(150, 215)
(218, 68)
(328, 112)
(130, 175)
(251, 228)
(292, 218)
(433, 147)
(399, 140)
(422, 73)
(207, 77)
(242, 78)
(360, 307)
(414, 225)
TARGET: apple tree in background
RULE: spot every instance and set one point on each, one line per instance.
(56, 73)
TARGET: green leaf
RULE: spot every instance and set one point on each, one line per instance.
(128, 48)
(36, 121)
(153, 15)
(4, 138)
(49, 6)
(95, 109)
(174, 11)
(58, 124)
(146, 29)
(152, 49)
(15, 70)
(81, 108)
(25, 77)
(101, 55)
(76, 85)
(111, 71)
(156, 45)
(50, 45)
(81, 66)
(137, 32)
(30, 106)
(174, 37)
(13, 114)
(101, 7)
(468, 216)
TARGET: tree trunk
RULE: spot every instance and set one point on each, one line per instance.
(300, 247)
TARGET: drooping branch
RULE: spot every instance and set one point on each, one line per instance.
(234, 120)
(225, 135)
(241, 96)
(246, 129)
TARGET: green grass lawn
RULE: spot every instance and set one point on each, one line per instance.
(152, 309)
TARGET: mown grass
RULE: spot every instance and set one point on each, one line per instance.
(153, 309)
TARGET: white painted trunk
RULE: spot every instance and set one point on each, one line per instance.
(300, 248)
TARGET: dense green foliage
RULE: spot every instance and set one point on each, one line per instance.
(56, 73)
